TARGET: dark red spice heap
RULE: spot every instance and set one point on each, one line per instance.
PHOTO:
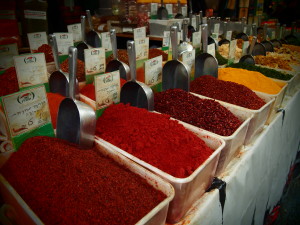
(226, 91)
(153, 138)
(89, 89)
(54, 100)
(204, 113)
(9, 82)
(66, 185)
(80, 69)
(47, 50)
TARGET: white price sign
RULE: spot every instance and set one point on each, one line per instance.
(64, 41)
(245, 30)
(31, 69)
(166, 39)
(228, 35)
(169, 8)
(75, 29)
(107, 88)
(139, 33)
(153, 9)
(232, 48)
(94, 61)
(189, 58)
(245, 47)
(216, 28)
(7, 52)
(197, 39)
(153, 71)
(184, 11)
(106, 43)
(142, 48)
(26, 110)
(36, 40)
(211, 49)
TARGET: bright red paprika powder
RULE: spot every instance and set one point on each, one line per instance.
(66, 185)
(153, 138)
(54, 100)
(47, 50)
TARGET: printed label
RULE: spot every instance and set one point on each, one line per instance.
(166, 39)
(184, 11)
(95, 61)
(245, 47)
(228, 35)
(153, 71)
(189, 59)
(194, 24)
(142, 48)
(36, 40)
(139, 33)
(75, 29)
(26, 110)
(107, 87)
(216, 28)
(36, 15)
(211, 49)
(169, 7)
(153, 10)
(7, 52)
(245, 30)
(31, 69)
(106, 43)
(232, 48)
(64, 41)
(197, 39)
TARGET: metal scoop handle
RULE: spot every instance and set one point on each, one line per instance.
(174, 41)
(254, 29)
(253, 42)
(53, 44)
(162, 3)
(265, 31)
(82, 20)
(201, 17)
(89, 17)
(197, 22)
(184, 30)
(113, 40)
(225, 29)
(132, 60)
(72, 71)
(179, 7)
(204, 37)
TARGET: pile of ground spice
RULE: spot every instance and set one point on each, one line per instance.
(80, 69)
(204, 113)
(47, 50)
(66, 185)
(54, 100)
(226, 91)
(153, 138)
(9, 82)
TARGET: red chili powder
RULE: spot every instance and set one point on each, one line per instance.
(204, 113)
(89, 89)
(80, 69)
(9, 82)
(226, 91)
(54, 100)
(47, 50)
(153, 138)
(66, 185)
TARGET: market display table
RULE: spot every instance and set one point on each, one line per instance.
(255, 179)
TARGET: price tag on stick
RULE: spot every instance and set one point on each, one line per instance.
(36, 40)
(64, 41)
(7, 52)
(75, 29)
(95, 63)
(153, 71)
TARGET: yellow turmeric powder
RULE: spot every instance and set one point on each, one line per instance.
(254, 80)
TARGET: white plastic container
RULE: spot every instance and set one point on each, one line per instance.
(189, 189)
(157, 27)
(259, 117)
(24, 215)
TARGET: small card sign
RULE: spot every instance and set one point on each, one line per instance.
(245, 29)
(64, 41)
(228, 35)
(189, 59)
(106, 43)
(245, 47)
(31, 69)
(107, 88)
(217, 28)
(169, 8)
(75, 29)
(232, 48)
(211, 49)
(142, 48)
(153, 9)
(7, 52)
(184, 11)
(95, 63)
(197, 39)
(139, 33)
(166, 39)
(36, 40)
(153, 71)
(27, 114)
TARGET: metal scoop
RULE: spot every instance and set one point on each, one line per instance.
(58, 80)
(224, 40)
(198, 22)
(162, 12)
(92, 37)
(82, 45)
(268, 45)
(76, 121)
(116, 64)
(205, 63)
(179, 12)
(134, 92)
(249, 58)
(175, 74)
(276, 43)
(184, 46)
